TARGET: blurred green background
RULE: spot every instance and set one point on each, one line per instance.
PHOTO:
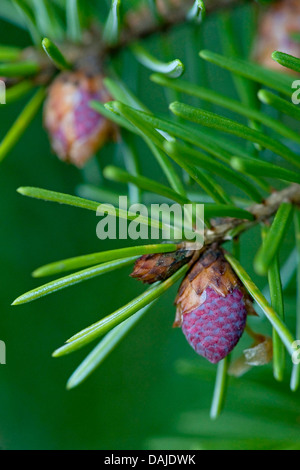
(152, 392)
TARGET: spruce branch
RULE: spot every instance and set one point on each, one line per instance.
(227, 229)
(224, 229)
(133, 28)
(239, 166)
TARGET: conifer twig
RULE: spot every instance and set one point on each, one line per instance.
(142, 24)
(229, 228)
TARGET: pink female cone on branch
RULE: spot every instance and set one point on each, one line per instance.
(212, 306)
(76, 131)
(276, 25)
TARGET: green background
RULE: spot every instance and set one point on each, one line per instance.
(153, 392)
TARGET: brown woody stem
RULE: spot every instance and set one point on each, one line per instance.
(227, 229)
(142, 24)
(139, 24)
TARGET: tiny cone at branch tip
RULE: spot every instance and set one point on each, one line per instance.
(212, 306)
(276, 25)
(160, 266)
(76, 131)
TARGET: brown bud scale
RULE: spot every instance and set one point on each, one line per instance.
(160, 266)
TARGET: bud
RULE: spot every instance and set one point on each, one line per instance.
(212, 306)
(160, 266)
(77, 131)
(274, 33)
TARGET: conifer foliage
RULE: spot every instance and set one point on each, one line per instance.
(243, 168)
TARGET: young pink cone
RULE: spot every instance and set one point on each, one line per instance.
(212, 306)
(77, 131)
